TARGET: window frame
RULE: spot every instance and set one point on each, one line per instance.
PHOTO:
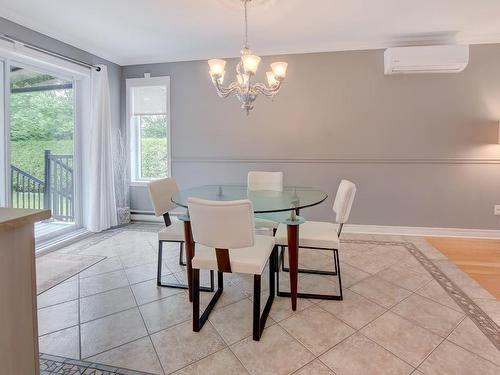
(133, 130)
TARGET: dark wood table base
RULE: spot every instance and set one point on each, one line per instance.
(293, 258)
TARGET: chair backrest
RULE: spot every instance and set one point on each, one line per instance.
(161, 192)
(222, 224)
(343, 201)
(265, 181)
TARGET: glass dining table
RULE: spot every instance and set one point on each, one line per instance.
(280, 206)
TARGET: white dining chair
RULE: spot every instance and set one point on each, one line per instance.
(321, 236)
(225, 241)
(161, 192)
(271, 181)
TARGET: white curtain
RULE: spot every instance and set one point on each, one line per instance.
(98, 178)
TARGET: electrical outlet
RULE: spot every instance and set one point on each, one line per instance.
(497, 210)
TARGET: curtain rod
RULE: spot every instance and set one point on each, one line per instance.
(48, 52)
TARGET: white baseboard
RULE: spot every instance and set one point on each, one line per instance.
(381, 229)
(150, 217)
(422, 231)
(146, 218)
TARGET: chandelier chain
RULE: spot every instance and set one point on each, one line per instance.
(246, 23)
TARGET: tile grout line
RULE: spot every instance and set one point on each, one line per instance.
(145, 326)
(437, 346)
(77, 274)
(446, 283)
(201, 359)
(418, 323)
(467, 350)
(356, 331)
(365, 325)
(435, 301)
(113, 348)
(79, 324)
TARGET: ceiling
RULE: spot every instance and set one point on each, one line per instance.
(148, 31)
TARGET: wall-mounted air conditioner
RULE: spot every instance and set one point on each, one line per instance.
(426, 59)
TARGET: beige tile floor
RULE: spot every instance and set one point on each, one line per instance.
(395, 318)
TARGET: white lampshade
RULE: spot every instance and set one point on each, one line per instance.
(279, 69)
(271, 79)
(149, 100)
(250, 63)
(216, 67)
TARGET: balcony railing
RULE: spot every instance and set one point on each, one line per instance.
(55, 192)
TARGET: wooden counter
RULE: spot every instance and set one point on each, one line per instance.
(18, 313)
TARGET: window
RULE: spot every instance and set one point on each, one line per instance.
(149, 120)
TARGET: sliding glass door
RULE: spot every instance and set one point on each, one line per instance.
(39, 145)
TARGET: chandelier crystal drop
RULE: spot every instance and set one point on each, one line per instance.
(243, 88)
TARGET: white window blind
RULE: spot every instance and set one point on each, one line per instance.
(149, 100)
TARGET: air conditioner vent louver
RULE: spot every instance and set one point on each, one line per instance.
(426, 59)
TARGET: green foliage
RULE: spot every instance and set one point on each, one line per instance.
(42, 115)
(154, 157)
(154, 126)
(29, 155)
(26, 78)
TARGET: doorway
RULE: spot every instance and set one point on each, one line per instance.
(39, 134)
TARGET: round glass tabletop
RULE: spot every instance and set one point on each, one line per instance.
(263, 201)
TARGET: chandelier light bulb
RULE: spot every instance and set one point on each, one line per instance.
(221, 78)
(250, 63)
(271, 79)
(279, 69)
(216, 68)
(242, 79)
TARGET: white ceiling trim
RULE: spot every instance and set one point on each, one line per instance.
(157, 31)
(331, 47)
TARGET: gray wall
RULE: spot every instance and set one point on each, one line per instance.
(422, 148)
(27, 35)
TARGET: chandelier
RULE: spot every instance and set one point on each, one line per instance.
(243, 88)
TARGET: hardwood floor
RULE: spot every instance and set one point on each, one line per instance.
(478, 258)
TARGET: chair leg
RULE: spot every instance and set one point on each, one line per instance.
(178, 285)
(273, 262)
(199, 321)
(333, 297)
(305, 270)
(259, 321)
(160, 261)
(196, 300)
(256, 307)
(182, 262)
(336, 255)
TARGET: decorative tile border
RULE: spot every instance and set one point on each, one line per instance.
(53, 365)
(95, 239)
(490, 329)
